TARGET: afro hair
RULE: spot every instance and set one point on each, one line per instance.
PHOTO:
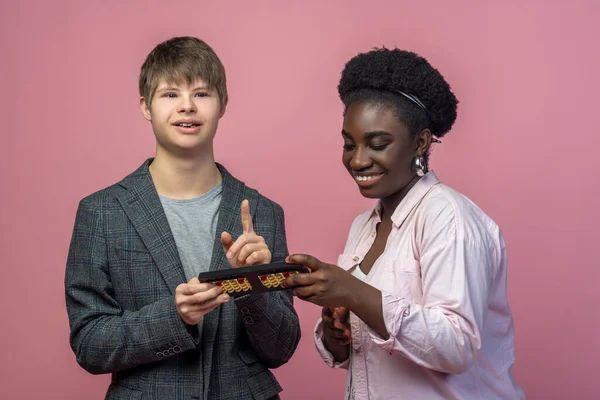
(381, 73)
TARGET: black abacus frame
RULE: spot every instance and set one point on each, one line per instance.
(252, 275)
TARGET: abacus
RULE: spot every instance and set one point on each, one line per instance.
(251, 280)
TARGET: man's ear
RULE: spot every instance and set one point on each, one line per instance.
(145, 109)
(223, 108)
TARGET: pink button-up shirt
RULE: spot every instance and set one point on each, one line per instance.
(442, 278)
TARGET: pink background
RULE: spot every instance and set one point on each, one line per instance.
(525, 148)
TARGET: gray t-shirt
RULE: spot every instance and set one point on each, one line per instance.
(194, 225)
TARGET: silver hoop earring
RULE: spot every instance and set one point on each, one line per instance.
(419, 165)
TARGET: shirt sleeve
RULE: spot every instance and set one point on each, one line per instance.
(443, 331)
(318, 331)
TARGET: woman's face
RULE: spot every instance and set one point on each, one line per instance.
(379, 151)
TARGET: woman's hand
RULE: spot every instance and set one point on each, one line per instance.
(327, 285)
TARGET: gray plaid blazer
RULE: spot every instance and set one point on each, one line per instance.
(122, 271)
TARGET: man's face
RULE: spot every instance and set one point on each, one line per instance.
(184, 117)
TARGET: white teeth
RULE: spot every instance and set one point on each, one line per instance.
(186, 125)
(361, 178)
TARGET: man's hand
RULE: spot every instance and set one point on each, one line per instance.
(249, 249)
(194, 300)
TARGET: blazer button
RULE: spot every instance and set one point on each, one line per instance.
(159, 355)
(249, 320)
(166, 353)
(245, 310)
(177, 349)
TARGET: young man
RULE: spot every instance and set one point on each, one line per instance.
(137, 243)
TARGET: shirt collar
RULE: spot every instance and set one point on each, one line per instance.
(411, 200)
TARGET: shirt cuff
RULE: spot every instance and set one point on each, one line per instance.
(322, 350)
(394, 310)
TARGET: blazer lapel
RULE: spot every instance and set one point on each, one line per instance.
(230, 220)
(144, 209)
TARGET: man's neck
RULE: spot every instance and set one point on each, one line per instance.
(184, 177)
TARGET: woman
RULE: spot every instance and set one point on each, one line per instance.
(416, 307)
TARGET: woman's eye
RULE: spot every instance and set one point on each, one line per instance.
(379, 147)
(170, 95)
(201, 94)
(348, 147)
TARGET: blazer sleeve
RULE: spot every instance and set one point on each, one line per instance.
(270, 319)
(104, 337)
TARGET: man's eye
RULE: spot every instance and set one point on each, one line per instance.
(348, 147)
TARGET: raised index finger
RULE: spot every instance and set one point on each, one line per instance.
(246, 217)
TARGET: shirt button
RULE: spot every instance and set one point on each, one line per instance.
(355, 259)
(373, 234)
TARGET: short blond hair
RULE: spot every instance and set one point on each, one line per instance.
(179, 60)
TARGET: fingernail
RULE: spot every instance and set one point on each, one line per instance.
(229, 254)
